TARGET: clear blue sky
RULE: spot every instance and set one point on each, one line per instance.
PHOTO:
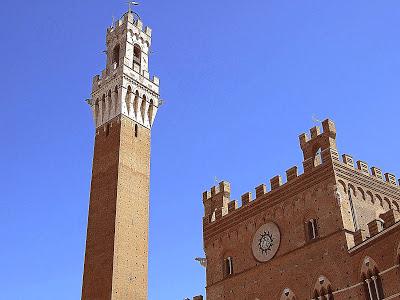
(241, 80)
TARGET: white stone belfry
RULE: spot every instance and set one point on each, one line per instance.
(125, 87)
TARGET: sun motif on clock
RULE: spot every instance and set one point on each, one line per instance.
(266, 242)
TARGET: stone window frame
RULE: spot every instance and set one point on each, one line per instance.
(372, 282)
(322, 289)
(287, 294)
(312, 229)
(137, 54)
(228, 267)
(116, 54)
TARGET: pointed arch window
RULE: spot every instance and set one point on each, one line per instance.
(312, 229)
(324, 294)
(115, 56)
(137, 55)
(323, 289)
(228, 266)
(287, 294)
(373, 288)
(318, 157)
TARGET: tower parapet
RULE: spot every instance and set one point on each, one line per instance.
(321, 147)
(125, 86)
(216, 201)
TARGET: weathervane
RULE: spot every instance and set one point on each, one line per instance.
(132, 3)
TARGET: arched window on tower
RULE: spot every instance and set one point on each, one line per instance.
(324, 294)
(115, 57)
(318, 157)
(312, 229)
(372, 281)
(228, 266)
(323, 289)
(137, 55)
(287, 294)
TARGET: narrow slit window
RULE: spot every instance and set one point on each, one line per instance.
(312, 229)
(137, 55)
(318, 158)
(115, 57)
(228, 266)
(136, 130)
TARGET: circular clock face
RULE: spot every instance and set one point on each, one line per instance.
(266, 242)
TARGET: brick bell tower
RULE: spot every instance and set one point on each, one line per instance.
(124, 104)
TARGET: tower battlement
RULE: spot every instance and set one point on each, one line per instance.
(216, 200)
(124, 86)
(373, 172)
(129, 25)
(128, 29)
(319, 147)
(132, 19)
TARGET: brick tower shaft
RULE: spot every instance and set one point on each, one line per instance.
(124, 104)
